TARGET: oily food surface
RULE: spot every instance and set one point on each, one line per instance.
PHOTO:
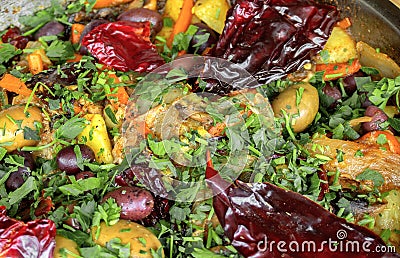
(274, 38)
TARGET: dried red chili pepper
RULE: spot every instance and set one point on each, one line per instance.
(124, 46)
(14, 37)
(263, 220)
(272, 38)
(32, 239)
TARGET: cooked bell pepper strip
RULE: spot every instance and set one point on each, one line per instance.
(183, 22)
(32, 239)
(35, 63)
(256, 215)
(344, 23)
(392, 144)
(336, 71)
(14, 84)
(76, 32)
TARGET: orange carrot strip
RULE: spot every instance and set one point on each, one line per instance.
(392, 144)
(35, 63)
(13, 84)
(345, 23)
(77, 58)
(121, 95)
(335, 71)
(76, 32)
(183, 21)
(109, 3)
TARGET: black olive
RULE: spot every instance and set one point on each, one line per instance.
(52, 28)
(17, 178)
(67, 161)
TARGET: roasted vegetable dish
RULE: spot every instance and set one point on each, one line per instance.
(197, 128)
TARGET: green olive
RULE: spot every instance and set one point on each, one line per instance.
(301, 101)
(140, 238)
(64, 247)
(13, 122)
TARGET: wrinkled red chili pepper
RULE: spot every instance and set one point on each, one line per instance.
(272, 38)
(32, 239)
(257, 217)
(124, 46)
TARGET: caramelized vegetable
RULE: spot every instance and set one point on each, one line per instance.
(35, 63)
(141, 240)
(370, 57)
(357, 158)
(14, 84)
(390, 141)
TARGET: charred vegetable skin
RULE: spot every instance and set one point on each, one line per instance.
(272, 38)
(255, 215)
(32, 239)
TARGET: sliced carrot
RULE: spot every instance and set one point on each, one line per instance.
(183, 21)
(109, 3)
(371, 138)
(35, 63)
(336, 71)
(77, 58)
(121, 96)
(14, 84)
(76, 32)
(344, 23)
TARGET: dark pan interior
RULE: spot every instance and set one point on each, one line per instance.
(376, 22)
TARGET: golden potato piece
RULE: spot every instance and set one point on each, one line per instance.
(95, 136)
(212, 13)
(340, 48)
(140, 238)
(303, 112)
(64, 248)
(389, 218)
